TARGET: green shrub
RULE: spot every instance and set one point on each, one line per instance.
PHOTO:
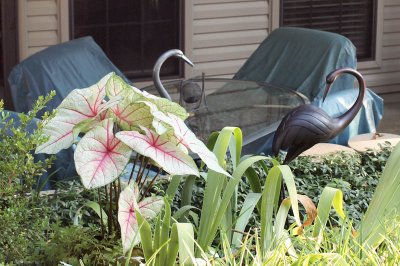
(22, 220)
(355, 174)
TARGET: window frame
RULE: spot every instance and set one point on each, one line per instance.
(275, 6)
(182, 69)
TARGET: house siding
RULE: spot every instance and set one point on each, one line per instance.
(219, 35)
(386, 78)
(225, 33)
(40, 25)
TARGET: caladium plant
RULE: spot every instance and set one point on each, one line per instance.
(128, 203)
(116, 119)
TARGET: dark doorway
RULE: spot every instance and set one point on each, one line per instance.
(8, 47)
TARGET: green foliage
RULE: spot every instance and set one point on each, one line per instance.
(18, 170)
(22, 223)
(21, 219)
(357, 175)
(384, 204)
(72, 243)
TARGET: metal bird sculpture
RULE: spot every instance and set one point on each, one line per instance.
(157, 66)
(308, 125)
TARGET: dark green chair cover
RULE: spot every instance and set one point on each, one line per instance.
(300, 59)
(64, 67)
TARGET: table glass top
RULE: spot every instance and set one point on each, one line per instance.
(249, 105)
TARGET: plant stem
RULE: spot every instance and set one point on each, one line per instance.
(111, 210)
(116, 197)
(101, 214)
(139, 177)
(148, 166)
(133, 168)
(151, 184)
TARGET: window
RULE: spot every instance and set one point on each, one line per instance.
(354, 19)
(8, 47)
(133, 33)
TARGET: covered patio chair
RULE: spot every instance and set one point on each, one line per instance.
(75, 64)
(64, 67)
(300, 59)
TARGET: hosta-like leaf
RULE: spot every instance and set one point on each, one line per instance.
(79, 105)
(149, 208)
(161, 150)
(100, 157)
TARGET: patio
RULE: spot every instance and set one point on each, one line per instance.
(134, 182)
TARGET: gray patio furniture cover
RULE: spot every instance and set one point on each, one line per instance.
(300, 59)
(75, 64)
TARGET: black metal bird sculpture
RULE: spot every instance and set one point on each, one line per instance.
(308, 125)
(157, 66)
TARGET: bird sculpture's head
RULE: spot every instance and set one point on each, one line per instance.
(157, 66)
(181, 55)
(331, 77)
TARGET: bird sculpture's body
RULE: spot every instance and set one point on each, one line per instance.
(308, 125)
(157, 66)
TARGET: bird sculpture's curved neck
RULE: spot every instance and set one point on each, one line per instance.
(345, 119)
(157, 66)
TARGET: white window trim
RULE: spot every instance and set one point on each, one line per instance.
(63, 20)
(373, 64)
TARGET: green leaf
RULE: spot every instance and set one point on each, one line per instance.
(96, 208)
(185, 235)
(384, 204)
(329, 197)
(245, 213)
(173, 186)
(145, 235)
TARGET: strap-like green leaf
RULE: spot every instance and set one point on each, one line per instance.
(145, 235)
(329, 197)
(384, 203)
(245, 213)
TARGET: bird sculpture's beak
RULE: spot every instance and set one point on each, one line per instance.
(328, 86)
(187, 60)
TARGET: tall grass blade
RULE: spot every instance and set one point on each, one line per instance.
(145, 235)
(245, 213)
(269, 201)
(384, 204)
(329, 197)
(173, 186)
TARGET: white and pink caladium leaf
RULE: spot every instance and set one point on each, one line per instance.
(161, 150)
(166, 106)
(130, 115)
(187, 138)
(79, 105)
(117, 86)
(100, 157)
(129, 112)
(148, 207)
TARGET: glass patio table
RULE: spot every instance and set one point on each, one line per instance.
(256, 107)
